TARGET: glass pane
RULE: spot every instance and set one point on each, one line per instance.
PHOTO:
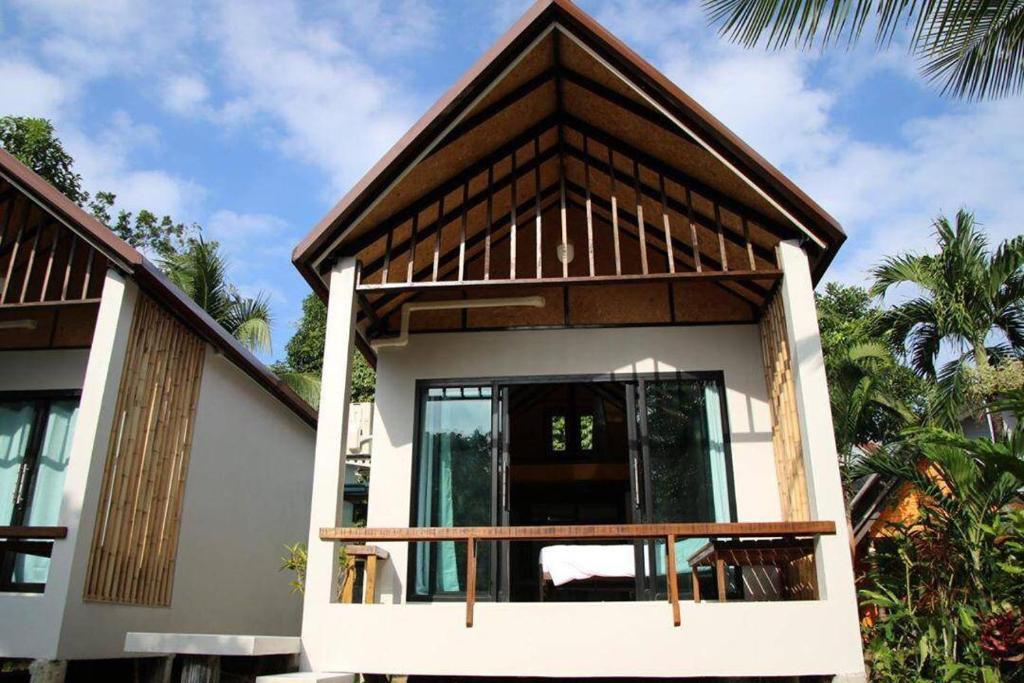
(16, 418)
(454, 486)
(687, 462)
(586, 432)
(48, 490)
(558, 433)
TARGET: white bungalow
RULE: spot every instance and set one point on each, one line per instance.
(602, 441)
(151, 469)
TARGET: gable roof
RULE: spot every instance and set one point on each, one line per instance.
(150, 279)
(649, 94)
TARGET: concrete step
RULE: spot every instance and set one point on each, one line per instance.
(307, 677)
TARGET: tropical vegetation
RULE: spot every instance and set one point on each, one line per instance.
(942, 587)
(971, 48)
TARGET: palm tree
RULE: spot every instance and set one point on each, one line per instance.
(974, 48)
(966, 296)
(200, 270)
(857, 385)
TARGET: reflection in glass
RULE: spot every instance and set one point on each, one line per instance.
(453, 485)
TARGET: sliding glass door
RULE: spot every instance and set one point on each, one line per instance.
(682, 465)
(35, 442)
(675, 428)
(454, 487)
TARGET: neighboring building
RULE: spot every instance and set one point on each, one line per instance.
(590, 307)
(151, 469)
(357, 464)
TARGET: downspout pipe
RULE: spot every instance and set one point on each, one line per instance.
(454, 304)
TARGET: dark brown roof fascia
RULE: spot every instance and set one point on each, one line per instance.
(153, 282)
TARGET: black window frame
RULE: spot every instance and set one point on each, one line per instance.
(499, 384)
(25, 488)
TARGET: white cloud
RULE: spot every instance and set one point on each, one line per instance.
(27, 90)
(105, 160)
(329, 106)
(96, 39)
(185, 94)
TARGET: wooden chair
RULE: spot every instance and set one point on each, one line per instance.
(783, 553)
(364, 557)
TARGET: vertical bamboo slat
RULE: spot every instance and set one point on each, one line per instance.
(490, 222)
(138, 518)
(589, 207)
(536, 209)
(789, 461)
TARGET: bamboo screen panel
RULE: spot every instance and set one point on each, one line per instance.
(137, 522)
(778, 370)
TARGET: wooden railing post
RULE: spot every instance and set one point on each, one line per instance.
(470, 579)
(370, 580)
(672, 577)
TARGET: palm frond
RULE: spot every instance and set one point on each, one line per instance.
(305, 384)
(785, 23)
(902, 269)
(975, 48)
(249, 321)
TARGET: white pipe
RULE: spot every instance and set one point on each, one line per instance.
(408, 309)
(19, 324)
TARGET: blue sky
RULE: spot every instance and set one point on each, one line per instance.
(253, 118)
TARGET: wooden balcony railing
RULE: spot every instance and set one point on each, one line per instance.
(31, 540)
(670, 533)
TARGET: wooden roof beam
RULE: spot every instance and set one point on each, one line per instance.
(490, 111)
(677, 176)
(679, 207)
(448, 186)
(475, 200)
(752, 293)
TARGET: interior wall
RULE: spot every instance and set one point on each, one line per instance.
(247, 495)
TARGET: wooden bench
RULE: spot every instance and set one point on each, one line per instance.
(720, 553)
(367, 556)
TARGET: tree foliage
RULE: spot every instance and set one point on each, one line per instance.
(973, 48)
(949, 583)
(873, 396)
(34, 142)
(304, 356)
(160, 237)
(968, 299)
(200, 271)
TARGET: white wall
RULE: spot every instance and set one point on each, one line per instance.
(44, 369)
(580, 639)
(733, 349)
(30, 623)
(247, 494)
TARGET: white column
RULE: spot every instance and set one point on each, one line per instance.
(89, 445)
(825, 491)
(329, 463)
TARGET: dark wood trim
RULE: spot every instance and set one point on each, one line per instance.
(678, 177)
(682, 208)
(496, 107)
(433, 227)
(625, 103)
(712, 276)
(34, 533)
(448, 186)
(608, 532)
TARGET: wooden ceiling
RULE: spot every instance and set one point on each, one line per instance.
(562, 152)
(562, 140)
